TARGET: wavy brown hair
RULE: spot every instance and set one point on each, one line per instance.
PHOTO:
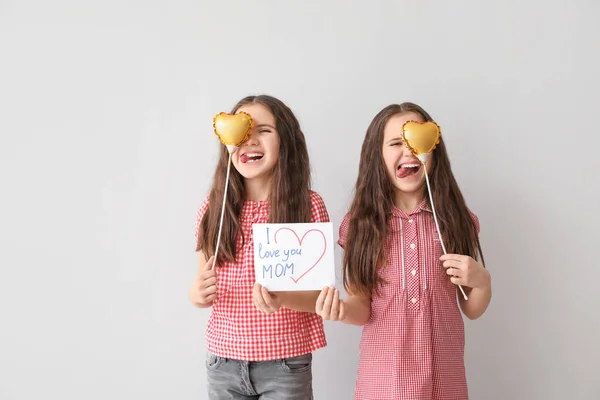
(290, 186)
(364, 251)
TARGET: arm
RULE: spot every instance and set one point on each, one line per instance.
(475, 279)
(358, 310)
(203, 291)
(303, 301)
(270, 302)
(479, 299)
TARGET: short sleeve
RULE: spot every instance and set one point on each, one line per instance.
(318, 209)
(199, 217)
(344, 230)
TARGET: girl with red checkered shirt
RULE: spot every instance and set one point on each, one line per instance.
(401, 287)
(259, 344)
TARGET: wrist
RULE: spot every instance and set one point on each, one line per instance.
(354, 314)
(281, 299)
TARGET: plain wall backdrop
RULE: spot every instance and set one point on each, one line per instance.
(107, 151)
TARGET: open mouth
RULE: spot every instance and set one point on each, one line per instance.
(248, 158)
(406, 170)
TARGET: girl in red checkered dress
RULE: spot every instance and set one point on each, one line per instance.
(259, 344)
(401, 287)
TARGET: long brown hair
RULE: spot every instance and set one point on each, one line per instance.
(373, 201)
(290, 187)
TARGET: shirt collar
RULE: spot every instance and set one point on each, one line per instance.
(422, 206)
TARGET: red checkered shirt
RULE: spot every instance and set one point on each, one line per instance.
(412, 347)
(236, 329)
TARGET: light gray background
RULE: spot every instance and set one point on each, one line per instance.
(107, 151)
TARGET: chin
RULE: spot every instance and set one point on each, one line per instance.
(250, 174)
(409, 188)
(255, 173)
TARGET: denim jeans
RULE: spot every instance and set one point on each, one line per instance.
(284, 379)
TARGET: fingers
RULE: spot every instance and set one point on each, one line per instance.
(459, 273)
(451, 271)
(209, 264)
(209, 288)
(263, 300)
(210, 296)
(321, 301)
(203, 294)
(455, 257)
(328, 302)
(335, 306)
(207, 275)
(462, 271)
(208, 282)
(329, 306)
(457, 281)
(204, 264)
(257, 298)
(206, 286)
(269, 300)
(453, 264)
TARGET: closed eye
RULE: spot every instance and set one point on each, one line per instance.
(396, 144)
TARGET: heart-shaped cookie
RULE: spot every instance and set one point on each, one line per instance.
(233, 129)
(421, 137)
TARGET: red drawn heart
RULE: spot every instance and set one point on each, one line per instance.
(300, 243)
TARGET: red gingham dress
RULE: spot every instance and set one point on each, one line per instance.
(412, 347)
(236, 329)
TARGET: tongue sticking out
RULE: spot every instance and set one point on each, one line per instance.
(244, 158)
(404, 172)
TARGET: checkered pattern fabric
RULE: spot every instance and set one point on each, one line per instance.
(236, 329)
(412, 348)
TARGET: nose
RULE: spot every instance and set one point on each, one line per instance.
(405, 147)
(252, 140)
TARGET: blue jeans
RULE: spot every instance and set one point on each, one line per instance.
(286, 379)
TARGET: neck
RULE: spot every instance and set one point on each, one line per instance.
(257, 189)
(407, 202)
